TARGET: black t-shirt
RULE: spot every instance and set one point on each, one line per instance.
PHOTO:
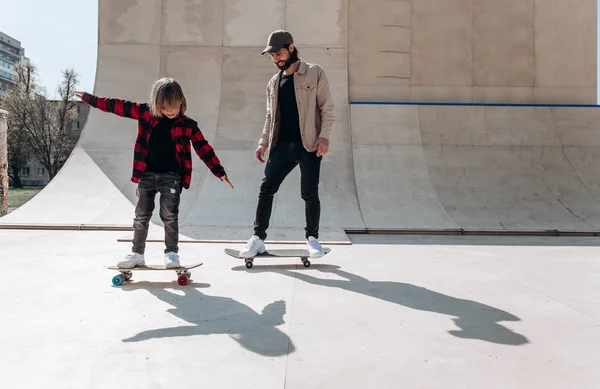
(289, 129)
(161, 150)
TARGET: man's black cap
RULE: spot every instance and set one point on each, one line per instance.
(277, 40)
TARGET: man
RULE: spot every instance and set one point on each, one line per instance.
(298, 126)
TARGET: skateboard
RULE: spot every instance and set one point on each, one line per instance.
(183, 273)
(282, 253)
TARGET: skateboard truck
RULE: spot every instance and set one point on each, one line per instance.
(250, 262)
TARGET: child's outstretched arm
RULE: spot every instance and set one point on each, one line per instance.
(120, 107)
(207, 154)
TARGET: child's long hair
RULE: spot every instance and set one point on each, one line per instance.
(166, 91)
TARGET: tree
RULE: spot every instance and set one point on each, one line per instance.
(18, 152)
(3, 165)
(18, 147)
(44, 127)
(66, 112)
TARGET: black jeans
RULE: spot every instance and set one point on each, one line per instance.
(168, 185)
(284, 157)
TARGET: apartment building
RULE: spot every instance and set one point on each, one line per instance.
(11, 52)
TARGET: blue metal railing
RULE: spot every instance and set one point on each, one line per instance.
(472, 104)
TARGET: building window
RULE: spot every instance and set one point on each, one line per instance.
(78, 125)
(25, 172)
(41, 171)
(78, 110)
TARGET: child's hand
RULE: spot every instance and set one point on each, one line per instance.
(79, 94)
(226, 180)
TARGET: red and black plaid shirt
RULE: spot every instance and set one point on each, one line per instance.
(184, 131)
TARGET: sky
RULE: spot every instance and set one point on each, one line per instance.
(56, 35)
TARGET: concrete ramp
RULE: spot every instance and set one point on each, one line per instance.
(213, 49)
(418, 166)
(477, 167)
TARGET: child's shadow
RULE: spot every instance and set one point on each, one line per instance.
(475, 320)
(210, 315)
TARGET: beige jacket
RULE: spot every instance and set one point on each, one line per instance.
(315, 106)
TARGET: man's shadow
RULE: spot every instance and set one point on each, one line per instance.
(209, 315)
(475, 320)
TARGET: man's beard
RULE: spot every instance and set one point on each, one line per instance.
(293, 58)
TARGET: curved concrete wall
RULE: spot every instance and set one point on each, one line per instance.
(390, 166)
(502, 51)
(213, 47)
(477, 167)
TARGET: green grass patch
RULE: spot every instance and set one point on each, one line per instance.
(18, 197)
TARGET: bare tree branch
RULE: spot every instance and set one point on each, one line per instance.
(43, 127)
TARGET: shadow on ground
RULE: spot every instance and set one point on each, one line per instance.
(210, 315)
(475, 320)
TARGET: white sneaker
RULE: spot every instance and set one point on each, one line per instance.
(314, 248)
(172, 260)
(132, 260)
(254, 246)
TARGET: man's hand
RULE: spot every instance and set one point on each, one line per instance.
(226, 180)
(78, 94)
(260, 153)
(322, 146)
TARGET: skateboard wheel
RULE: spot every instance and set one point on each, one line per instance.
(249, 264)
(306, 263)
(127, 275)
(182, 279)
(188, 274)
(117, 280)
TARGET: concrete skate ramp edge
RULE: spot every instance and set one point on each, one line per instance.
(477, 167)
(214, 50)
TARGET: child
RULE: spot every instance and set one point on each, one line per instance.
(162, 161)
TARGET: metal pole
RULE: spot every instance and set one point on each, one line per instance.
(3, 163)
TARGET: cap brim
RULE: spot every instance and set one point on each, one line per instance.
(271, 49)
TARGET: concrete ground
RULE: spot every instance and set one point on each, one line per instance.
(385, 312)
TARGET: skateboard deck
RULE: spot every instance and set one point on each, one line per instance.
(183, 273)
(280, 253)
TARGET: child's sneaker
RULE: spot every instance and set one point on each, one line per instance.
(254, 246)
(132, 260)
(314, 247)
(172, 260)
